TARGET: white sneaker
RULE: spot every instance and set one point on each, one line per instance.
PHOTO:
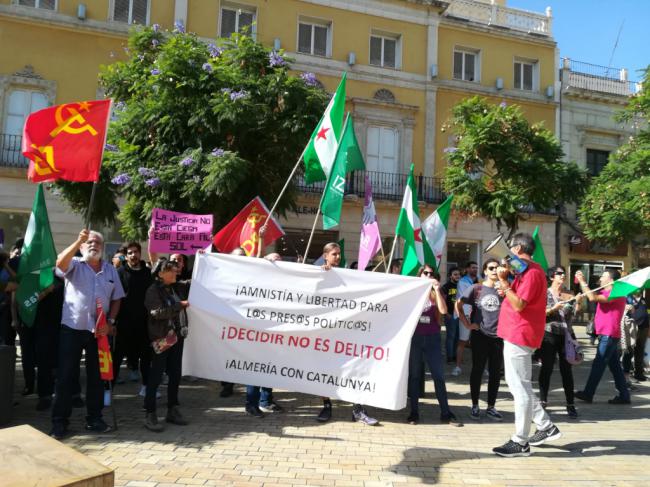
(486, 374)
(456, 371)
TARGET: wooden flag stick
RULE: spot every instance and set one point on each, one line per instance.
(390, 258)
(90, 205)
(313, 228)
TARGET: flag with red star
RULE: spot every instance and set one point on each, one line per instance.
(410, 229)
(320, 152)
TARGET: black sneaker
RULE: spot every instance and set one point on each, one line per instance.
(254, 411)
(98, 426)
(512, 449)
(451, 419)
(584, 397)
(619, 400)
(226, 390)
(640, 377)
(272, 407)
(572, 412)
(549, 434)
(152, 424)
(475, 413)
(493, 414)
(174, 416)
(59, 431)
(360, 414)
(414, 418)
(325, 413)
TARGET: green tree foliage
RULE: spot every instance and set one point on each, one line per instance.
(503, 167)
(198, 128)
(616, 207)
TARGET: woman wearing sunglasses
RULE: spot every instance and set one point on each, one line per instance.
(426, 345)
(487, 347)
(558, 322)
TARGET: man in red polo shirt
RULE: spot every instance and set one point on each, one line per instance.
(521, 325)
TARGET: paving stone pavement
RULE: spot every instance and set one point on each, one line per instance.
(607, 446)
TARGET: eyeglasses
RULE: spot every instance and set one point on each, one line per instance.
(492, 267)
(560, 273)
(427, 273)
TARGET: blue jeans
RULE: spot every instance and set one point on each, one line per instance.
(451, 338)
(607, 355)
(258, 396)
(427, 347)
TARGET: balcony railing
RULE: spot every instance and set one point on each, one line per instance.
(501, 16)
(601, 79)
(10, 151)
(385, 186)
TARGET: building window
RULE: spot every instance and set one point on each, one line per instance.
(596, 161)
(525, 75)
(314, 38)
(466, 65)
(385, 50)
(131, 11)
(460, 253)
(382, 148)
(20, 103)
(235, 18)
(44, 4)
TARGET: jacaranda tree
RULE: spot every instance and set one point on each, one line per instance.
(198, 127)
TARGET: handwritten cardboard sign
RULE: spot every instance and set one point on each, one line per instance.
(179, 233)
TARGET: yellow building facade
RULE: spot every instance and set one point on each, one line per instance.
(408, 63)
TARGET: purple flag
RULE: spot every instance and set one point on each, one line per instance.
(370, 241)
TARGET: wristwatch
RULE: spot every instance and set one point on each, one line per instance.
(111, 321)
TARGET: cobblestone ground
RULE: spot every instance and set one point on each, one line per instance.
(608, 445)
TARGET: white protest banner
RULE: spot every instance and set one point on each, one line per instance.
(184, 233)
(339, 333)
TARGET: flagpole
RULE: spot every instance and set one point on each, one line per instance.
(390, 257)
(286, 184)
(90, 205)
(313, 227)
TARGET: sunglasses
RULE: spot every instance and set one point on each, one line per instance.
(560, 273)
(427, 273)
(492, 267)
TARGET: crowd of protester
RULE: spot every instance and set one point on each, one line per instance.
(510, 321)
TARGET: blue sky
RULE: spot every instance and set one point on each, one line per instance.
(585, 30)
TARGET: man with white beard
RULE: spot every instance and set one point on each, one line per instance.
(87, 279)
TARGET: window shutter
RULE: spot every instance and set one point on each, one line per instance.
(245, 20)
(47, 4)
(228, 22)
(458, 65)
(121, 11)
(139, 12)
(304, 38)
(389, 52)
(320, 40)
(528, 77)
(375, 50)
(518, 76)
(469, 67)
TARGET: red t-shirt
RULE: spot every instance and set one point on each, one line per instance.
(526, 327)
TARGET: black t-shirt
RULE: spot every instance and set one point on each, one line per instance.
(450, 290)
(486, 304)
(135, 283)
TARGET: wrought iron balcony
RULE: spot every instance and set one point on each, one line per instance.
(601, 79)
(10, 151)
(385, 186)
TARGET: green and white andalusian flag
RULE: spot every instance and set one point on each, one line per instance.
(37, 261)
(630, 284)
(409, 228)
(348, 158)
(434, 229)
(321, 150)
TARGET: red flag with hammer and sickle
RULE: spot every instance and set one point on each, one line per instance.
(103, 348)
(66, 141)
(243, 230)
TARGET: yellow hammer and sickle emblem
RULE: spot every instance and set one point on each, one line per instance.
(105, 360)
(254, 218)
(44, 166)
(66, 125)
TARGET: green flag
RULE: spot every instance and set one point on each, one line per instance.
(409, 228)
(37, 261)
(348, 158)
(539, 256)
(635, 282)
(342, 245)
(434, 229)
(321, 150)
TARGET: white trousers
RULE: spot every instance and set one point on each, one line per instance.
(517, 360)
